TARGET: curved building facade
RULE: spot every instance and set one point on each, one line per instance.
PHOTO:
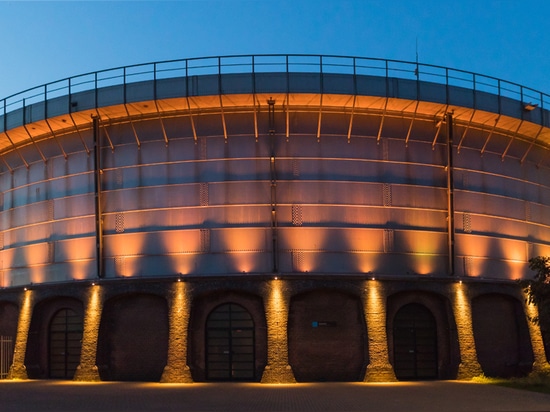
(272, 218)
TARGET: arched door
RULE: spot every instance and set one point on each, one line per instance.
(65, 343)
(230, 344)
(414, 343)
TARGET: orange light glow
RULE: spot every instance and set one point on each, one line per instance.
(239, 240)
(471, 245)
(516, 269)
(304, 238)
(126, 244)
(424, 264)
(81, 269)
(181, 241)
(243, 262)
(366, 262)
(37, 274)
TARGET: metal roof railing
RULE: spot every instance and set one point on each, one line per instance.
(278, 63)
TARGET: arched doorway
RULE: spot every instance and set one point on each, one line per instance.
(64, 344)
(230, 354)
(414, 343)
(501, 336)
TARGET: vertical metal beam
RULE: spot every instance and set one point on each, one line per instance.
(450, 195)
(273, 173)
(97, 191)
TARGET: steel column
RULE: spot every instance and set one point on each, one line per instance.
(450, 195)
(273, 173)
(97, 189)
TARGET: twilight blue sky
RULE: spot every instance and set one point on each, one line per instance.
(44, 41)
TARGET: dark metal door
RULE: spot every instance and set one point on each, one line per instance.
(230, 344)
(414, 343)
(65, 343)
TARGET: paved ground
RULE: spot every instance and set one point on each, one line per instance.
(438, 396)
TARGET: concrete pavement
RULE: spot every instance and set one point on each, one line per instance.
(438, 396)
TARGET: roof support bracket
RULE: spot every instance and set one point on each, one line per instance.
(7, 165)
(438, 126)
(192, 121)
(256, 109)
(490, 135)
(55, 138)
(382, 121)
(106, 131)
(223, 119)
(465, 131)
(133, 127)
(411, 125)
(532, 144)
(30, 135)
(35, 144)
(439, 121)
(16, 149)
(320, 117)
(351, 117)
(79, 134)
(161, 124)
(287, 109)
(511, 140)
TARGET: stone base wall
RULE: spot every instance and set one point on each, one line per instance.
(305, 328)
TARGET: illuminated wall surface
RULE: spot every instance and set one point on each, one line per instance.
(303, 204)
(354, 170)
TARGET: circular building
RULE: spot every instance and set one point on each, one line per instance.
(272, 218)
